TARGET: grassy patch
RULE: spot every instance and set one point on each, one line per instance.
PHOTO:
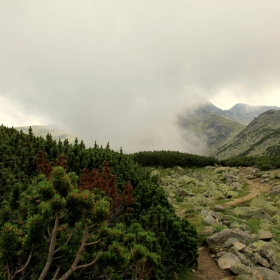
(253, 224)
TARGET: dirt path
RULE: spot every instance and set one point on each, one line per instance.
(255, 188)
(207, 266)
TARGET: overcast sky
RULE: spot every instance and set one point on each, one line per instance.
(120, 71)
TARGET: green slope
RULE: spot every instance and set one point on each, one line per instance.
(260, 137)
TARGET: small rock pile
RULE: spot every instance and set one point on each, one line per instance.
(250, 256)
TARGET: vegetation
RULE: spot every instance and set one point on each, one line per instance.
(167, 159)
(68, 212)
(264, 162)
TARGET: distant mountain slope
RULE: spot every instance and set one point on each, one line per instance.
(56, 132)
(260, 137)
(243, 113)
(213, 129)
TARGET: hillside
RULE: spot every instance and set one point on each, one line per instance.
(214, 129)
(260, 137)
(244, 113)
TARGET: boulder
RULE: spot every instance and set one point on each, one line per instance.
(185, 179)
(265, 235)
(268, 274)
(265, 249)
(261, 203)
(260, 260)
(209, 220)
(231, 194)
(275, 262)
(219, 207)
(275, 190)
(243, 259)
(239, 246)
(227, 261)
(230, 242)
(220, 237)
(241, 269)
(251, 212)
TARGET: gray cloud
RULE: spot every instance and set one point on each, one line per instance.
(111, 70)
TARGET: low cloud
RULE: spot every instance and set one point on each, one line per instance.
(111, 71)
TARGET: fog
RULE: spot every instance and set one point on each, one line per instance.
(121, 71)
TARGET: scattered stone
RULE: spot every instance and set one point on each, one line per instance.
(209, 220)
(268, 274)
(219, 207)
(251, 212)
(241, 257)
(220, 254)
(275, 190)
(220, 237)
(265, 235)
(230, 242)
(241, 269)
(239, 246)
(262, 261)
(227, 261)
(261, 203)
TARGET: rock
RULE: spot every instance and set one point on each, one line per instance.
(231, 194)
(262, 261)
(268, 274)
(220, 254)
(275, 190)
(207, 230)
(211, 186)
(191, 194)
(239, 246)
(236, 186)
(185, 179)
(275, 262)
(230, 242)
(216, 194)
(261, 203)
(265, 235)
(217, 215)
(265, 249)
(239, 226)
(219, 207)
(209, 220)
(251, 212)
(220, 237)
(227, 261)
(181, 192)
(241, 269)
(241, 257)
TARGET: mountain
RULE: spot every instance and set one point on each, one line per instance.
(244, 113)
(56, 132)
(213, 129)
(216, 127)
(260, 137)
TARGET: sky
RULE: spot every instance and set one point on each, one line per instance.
(121, 71)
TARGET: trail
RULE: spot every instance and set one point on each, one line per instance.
(208, 269)
(255, 188)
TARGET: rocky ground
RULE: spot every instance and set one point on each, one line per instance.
(237, 214)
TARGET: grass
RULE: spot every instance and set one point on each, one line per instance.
(253, 224)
